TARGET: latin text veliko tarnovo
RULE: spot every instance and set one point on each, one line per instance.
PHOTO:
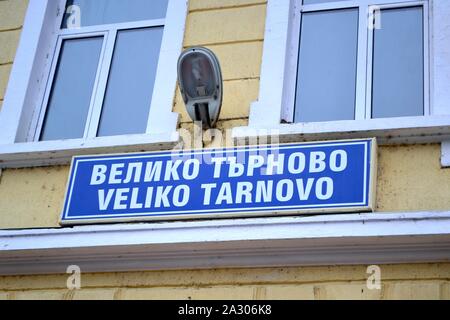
(178, 195)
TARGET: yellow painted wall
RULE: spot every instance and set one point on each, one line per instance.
(422, 281)
(11, 19)
(410, 179)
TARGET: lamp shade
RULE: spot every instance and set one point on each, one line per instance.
(200, 81)
(197, 75)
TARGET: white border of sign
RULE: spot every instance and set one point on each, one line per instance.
(230, 213)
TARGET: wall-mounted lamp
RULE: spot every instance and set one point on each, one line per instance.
(200, 81)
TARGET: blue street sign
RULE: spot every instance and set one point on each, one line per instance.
(320, 177)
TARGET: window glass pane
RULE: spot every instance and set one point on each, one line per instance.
(398, 64)
(95, 12)
(326, 80)
(73, 84)
(319, 1)
(130, 85)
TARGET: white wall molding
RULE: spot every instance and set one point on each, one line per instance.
(274, 103)
(268, 109)
(26, 73)
(262, 242)
(407, 130)
(161, 118)
(20, 155)
(440, 58)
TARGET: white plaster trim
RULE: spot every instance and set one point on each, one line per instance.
(440, 58)
(268, 109)
(26, 73)
(45, 153)
(379, 238)
(161, 119)
(445, 154)
(408, 130)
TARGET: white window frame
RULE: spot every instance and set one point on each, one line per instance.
(21, 116)
(275, 103)
(363, 106)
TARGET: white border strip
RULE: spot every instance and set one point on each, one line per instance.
(338, 239)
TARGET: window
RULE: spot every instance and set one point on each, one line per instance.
(93, 75)
(339, 69)
(343, 76)
(398, 68)
(104, 69)
(326, 76)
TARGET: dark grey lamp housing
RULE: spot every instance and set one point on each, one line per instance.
(200, 81)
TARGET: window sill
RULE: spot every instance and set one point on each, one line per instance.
(429, 129)
(381, 238)
(35, 154)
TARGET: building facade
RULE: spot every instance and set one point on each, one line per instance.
(293, 72)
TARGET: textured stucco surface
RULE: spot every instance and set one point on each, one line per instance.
(410, 178)
(12, 13)
(421, 281)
